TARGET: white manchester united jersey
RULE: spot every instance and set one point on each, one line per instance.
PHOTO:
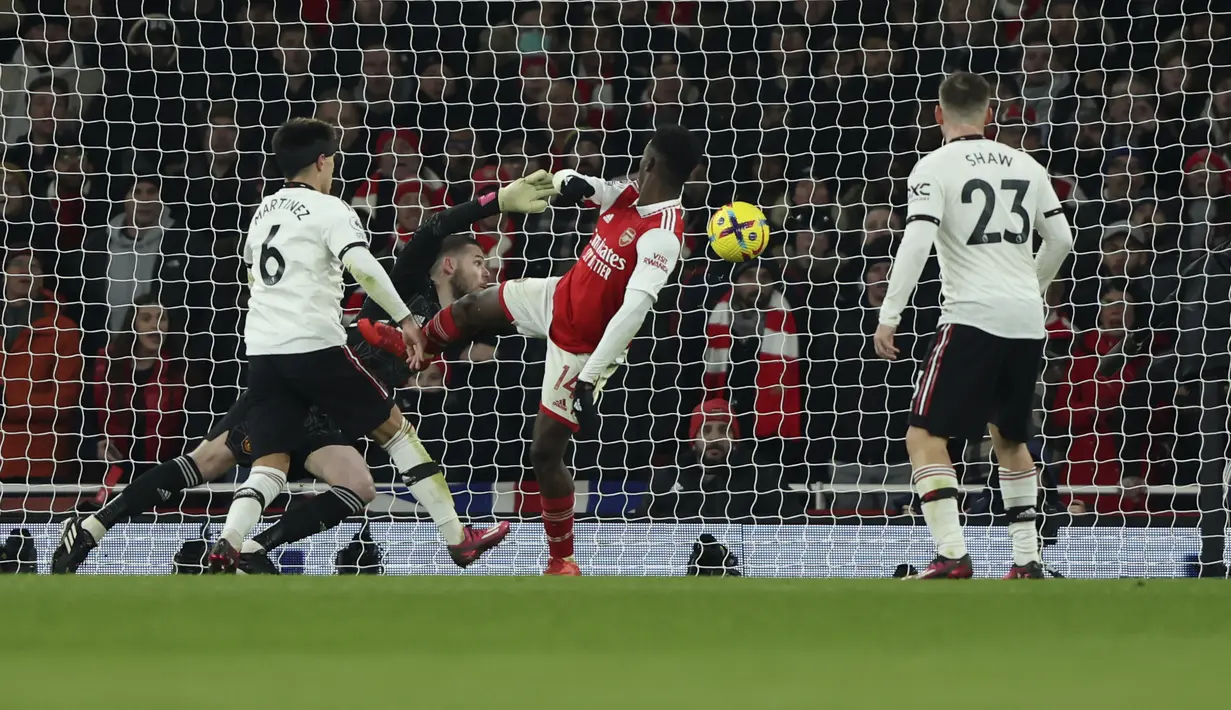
(987, 200)
(294, 250)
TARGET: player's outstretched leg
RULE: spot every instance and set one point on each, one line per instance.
(936, 484)
(265, 481)
(81, 534)
(547, 450)
(427, 483)
(1019, 486)
(465, 318)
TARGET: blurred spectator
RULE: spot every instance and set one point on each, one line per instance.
(667, 99)
(63, 199)
(218, 193)
(22, 226)
(45, 53)
(398, 160)
(881, 227)
(283, 86)
(140, 252)
(872, 399)
(138, 390)
(458, 163)
(1214, 124)
(353, 161)
(715, 478)
(1087, 408)
(413, 204)
(1124, 181)
(753, 354)
(40, 365)
(383, 88)
(48, 125)
(1207, 198)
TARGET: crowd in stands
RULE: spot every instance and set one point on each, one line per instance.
(136, 145)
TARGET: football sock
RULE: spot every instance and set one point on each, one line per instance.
(441, 331)
(317, 515)
(146, 491)
(558, 525)
(422, 475)
(263, 485)
(1020, 490)
(937, 488)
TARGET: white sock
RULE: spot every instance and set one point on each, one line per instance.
(941, 515)
(407, 453)
(263, 485)
(250, 546)
(1020, 489)
(95, 528)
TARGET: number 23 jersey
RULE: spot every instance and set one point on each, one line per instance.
(294, 251)
(986, 199)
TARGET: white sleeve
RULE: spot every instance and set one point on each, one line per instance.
(658, 250)
(1053, 225)
(605, 193)
(375, 281)
(924, 211)
(619, 333)
(344, 231)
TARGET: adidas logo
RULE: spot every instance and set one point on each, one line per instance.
(561, 405)
(607, 218)
(164, 494)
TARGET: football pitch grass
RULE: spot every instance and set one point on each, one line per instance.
(299, 643)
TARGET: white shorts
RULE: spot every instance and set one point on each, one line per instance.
(528, 303)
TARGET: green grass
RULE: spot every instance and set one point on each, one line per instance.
(302, 643)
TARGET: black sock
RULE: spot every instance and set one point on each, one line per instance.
(155, 486)
(317, 515)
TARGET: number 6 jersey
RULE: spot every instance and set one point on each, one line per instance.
(981, 202)
(294, 251)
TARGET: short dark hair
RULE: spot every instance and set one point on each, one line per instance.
(454, 243)
(965, 93)
(679, 151)
(300, 141)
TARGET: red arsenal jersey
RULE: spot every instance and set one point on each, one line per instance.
(588, 296)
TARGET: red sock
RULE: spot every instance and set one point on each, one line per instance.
(441, 331)
(558, 524)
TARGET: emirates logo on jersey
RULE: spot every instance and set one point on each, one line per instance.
(601, 258)
(627, 237)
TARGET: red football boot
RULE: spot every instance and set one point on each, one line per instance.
(557, 567)
(223, 557)
(947, 568)
(476, 542)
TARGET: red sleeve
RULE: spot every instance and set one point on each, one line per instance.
(1074, 407)
(49, 398)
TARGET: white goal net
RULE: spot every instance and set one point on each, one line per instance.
(137, 143)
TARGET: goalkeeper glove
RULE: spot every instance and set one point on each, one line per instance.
(572, 188)
(527, 195)
(585, 409)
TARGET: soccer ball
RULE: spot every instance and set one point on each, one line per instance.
(738, 232)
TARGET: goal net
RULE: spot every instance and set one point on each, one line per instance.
(753, 407)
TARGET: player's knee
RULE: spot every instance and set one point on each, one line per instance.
(364, 487)
(213, 458)
(921, 442)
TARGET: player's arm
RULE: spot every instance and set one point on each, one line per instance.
(923, 214)
(574, 187)
(658, 250)
(346, 238)
(1053, 226)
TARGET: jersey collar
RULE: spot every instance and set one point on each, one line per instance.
(969, 137)
(292, 183)
(647, 210)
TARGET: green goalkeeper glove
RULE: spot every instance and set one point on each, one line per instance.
(527, 195)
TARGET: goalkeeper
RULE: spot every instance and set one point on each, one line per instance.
(436, 268)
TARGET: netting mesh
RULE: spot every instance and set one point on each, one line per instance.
(137, 142)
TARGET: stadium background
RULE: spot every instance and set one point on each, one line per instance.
(136, 138)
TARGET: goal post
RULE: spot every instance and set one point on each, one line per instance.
(753, 406)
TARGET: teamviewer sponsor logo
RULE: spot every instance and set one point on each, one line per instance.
(602, 259)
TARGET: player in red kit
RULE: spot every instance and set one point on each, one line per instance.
(590, 314)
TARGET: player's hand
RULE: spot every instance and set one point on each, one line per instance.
(527, 195)
(883, 340)
(572, 188)
(416, 344)
(584, 407)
